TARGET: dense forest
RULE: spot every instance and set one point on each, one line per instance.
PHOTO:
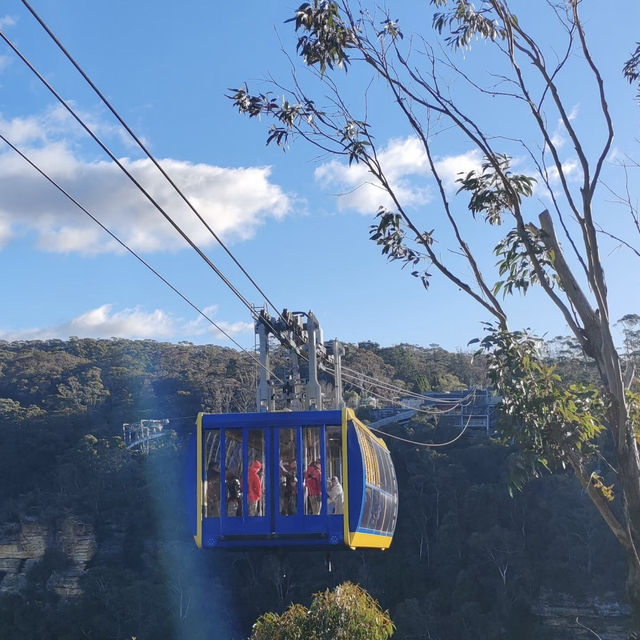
(468, 560)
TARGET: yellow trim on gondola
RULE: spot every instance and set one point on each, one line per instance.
(364, 427)
(199, 481)
(347, 414)
(370, 540)
(356, 539)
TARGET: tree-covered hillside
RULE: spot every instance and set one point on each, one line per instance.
(467, 561)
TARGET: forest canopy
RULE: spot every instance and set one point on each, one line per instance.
(467, 559)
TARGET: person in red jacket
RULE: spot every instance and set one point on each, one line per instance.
(313, 482)
(255, 487)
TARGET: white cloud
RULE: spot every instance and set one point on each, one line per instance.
(400, 160)
(136, 323)
(233, 201)
(231, 329)
(406, 167)
(569, 169)
(5, 60)
(200, 326)
(7, 21)
(450, 167)
(103, 323)
(5, 232)
(559, 136)
(558, 139)
(56, 124)
(130, 323)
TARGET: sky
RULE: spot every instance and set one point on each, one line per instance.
(298, 221)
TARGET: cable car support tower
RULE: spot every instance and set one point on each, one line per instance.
(300, 333)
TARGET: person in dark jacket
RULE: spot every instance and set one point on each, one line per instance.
(291, 490)
(234, 495)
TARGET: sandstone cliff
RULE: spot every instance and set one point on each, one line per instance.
(566, 617)
(24, 544)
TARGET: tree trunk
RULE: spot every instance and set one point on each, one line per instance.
(633, 596)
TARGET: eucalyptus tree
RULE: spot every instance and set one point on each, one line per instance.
(347, 612)
(499, 90)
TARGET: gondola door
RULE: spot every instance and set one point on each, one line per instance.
(290, 495)
(300, 506)
(246, 500)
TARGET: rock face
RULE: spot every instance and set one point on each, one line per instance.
(22, 541)
(66, 583)
(24, 544)
(77, 541)
(565, 617)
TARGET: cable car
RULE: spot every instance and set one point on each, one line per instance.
(290, 478)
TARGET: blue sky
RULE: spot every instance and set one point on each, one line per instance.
(166, 68)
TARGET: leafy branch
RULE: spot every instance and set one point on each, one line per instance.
(326, 36)
(495, 190)
(464, 22)
(515, 261)
(549, 419)
(390, 235)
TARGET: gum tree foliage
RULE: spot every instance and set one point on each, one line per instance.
(348, 613)
(483, 79)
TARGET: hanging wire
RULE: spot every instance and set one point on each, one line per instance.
(146, 151)
(466, 401)
(103, 146)
(429, 445)
(349, 372)
(405, 392)
(133, 253)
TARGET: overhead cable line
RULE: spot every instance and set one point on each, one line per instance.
(433, 412)
(417, 443)
(149, 197)
(429, 445)
(403, 391)
(356, 381)
(146, 151)
(406, 392)
(133, 253)
(404, 405)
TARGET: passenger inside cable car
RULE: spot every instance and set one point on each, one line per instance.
(309, 478)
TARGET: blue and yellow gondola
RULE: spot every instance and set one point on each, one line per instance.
(252, 481)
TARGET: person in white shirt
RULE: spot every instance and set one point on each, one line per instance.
(336, 496)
